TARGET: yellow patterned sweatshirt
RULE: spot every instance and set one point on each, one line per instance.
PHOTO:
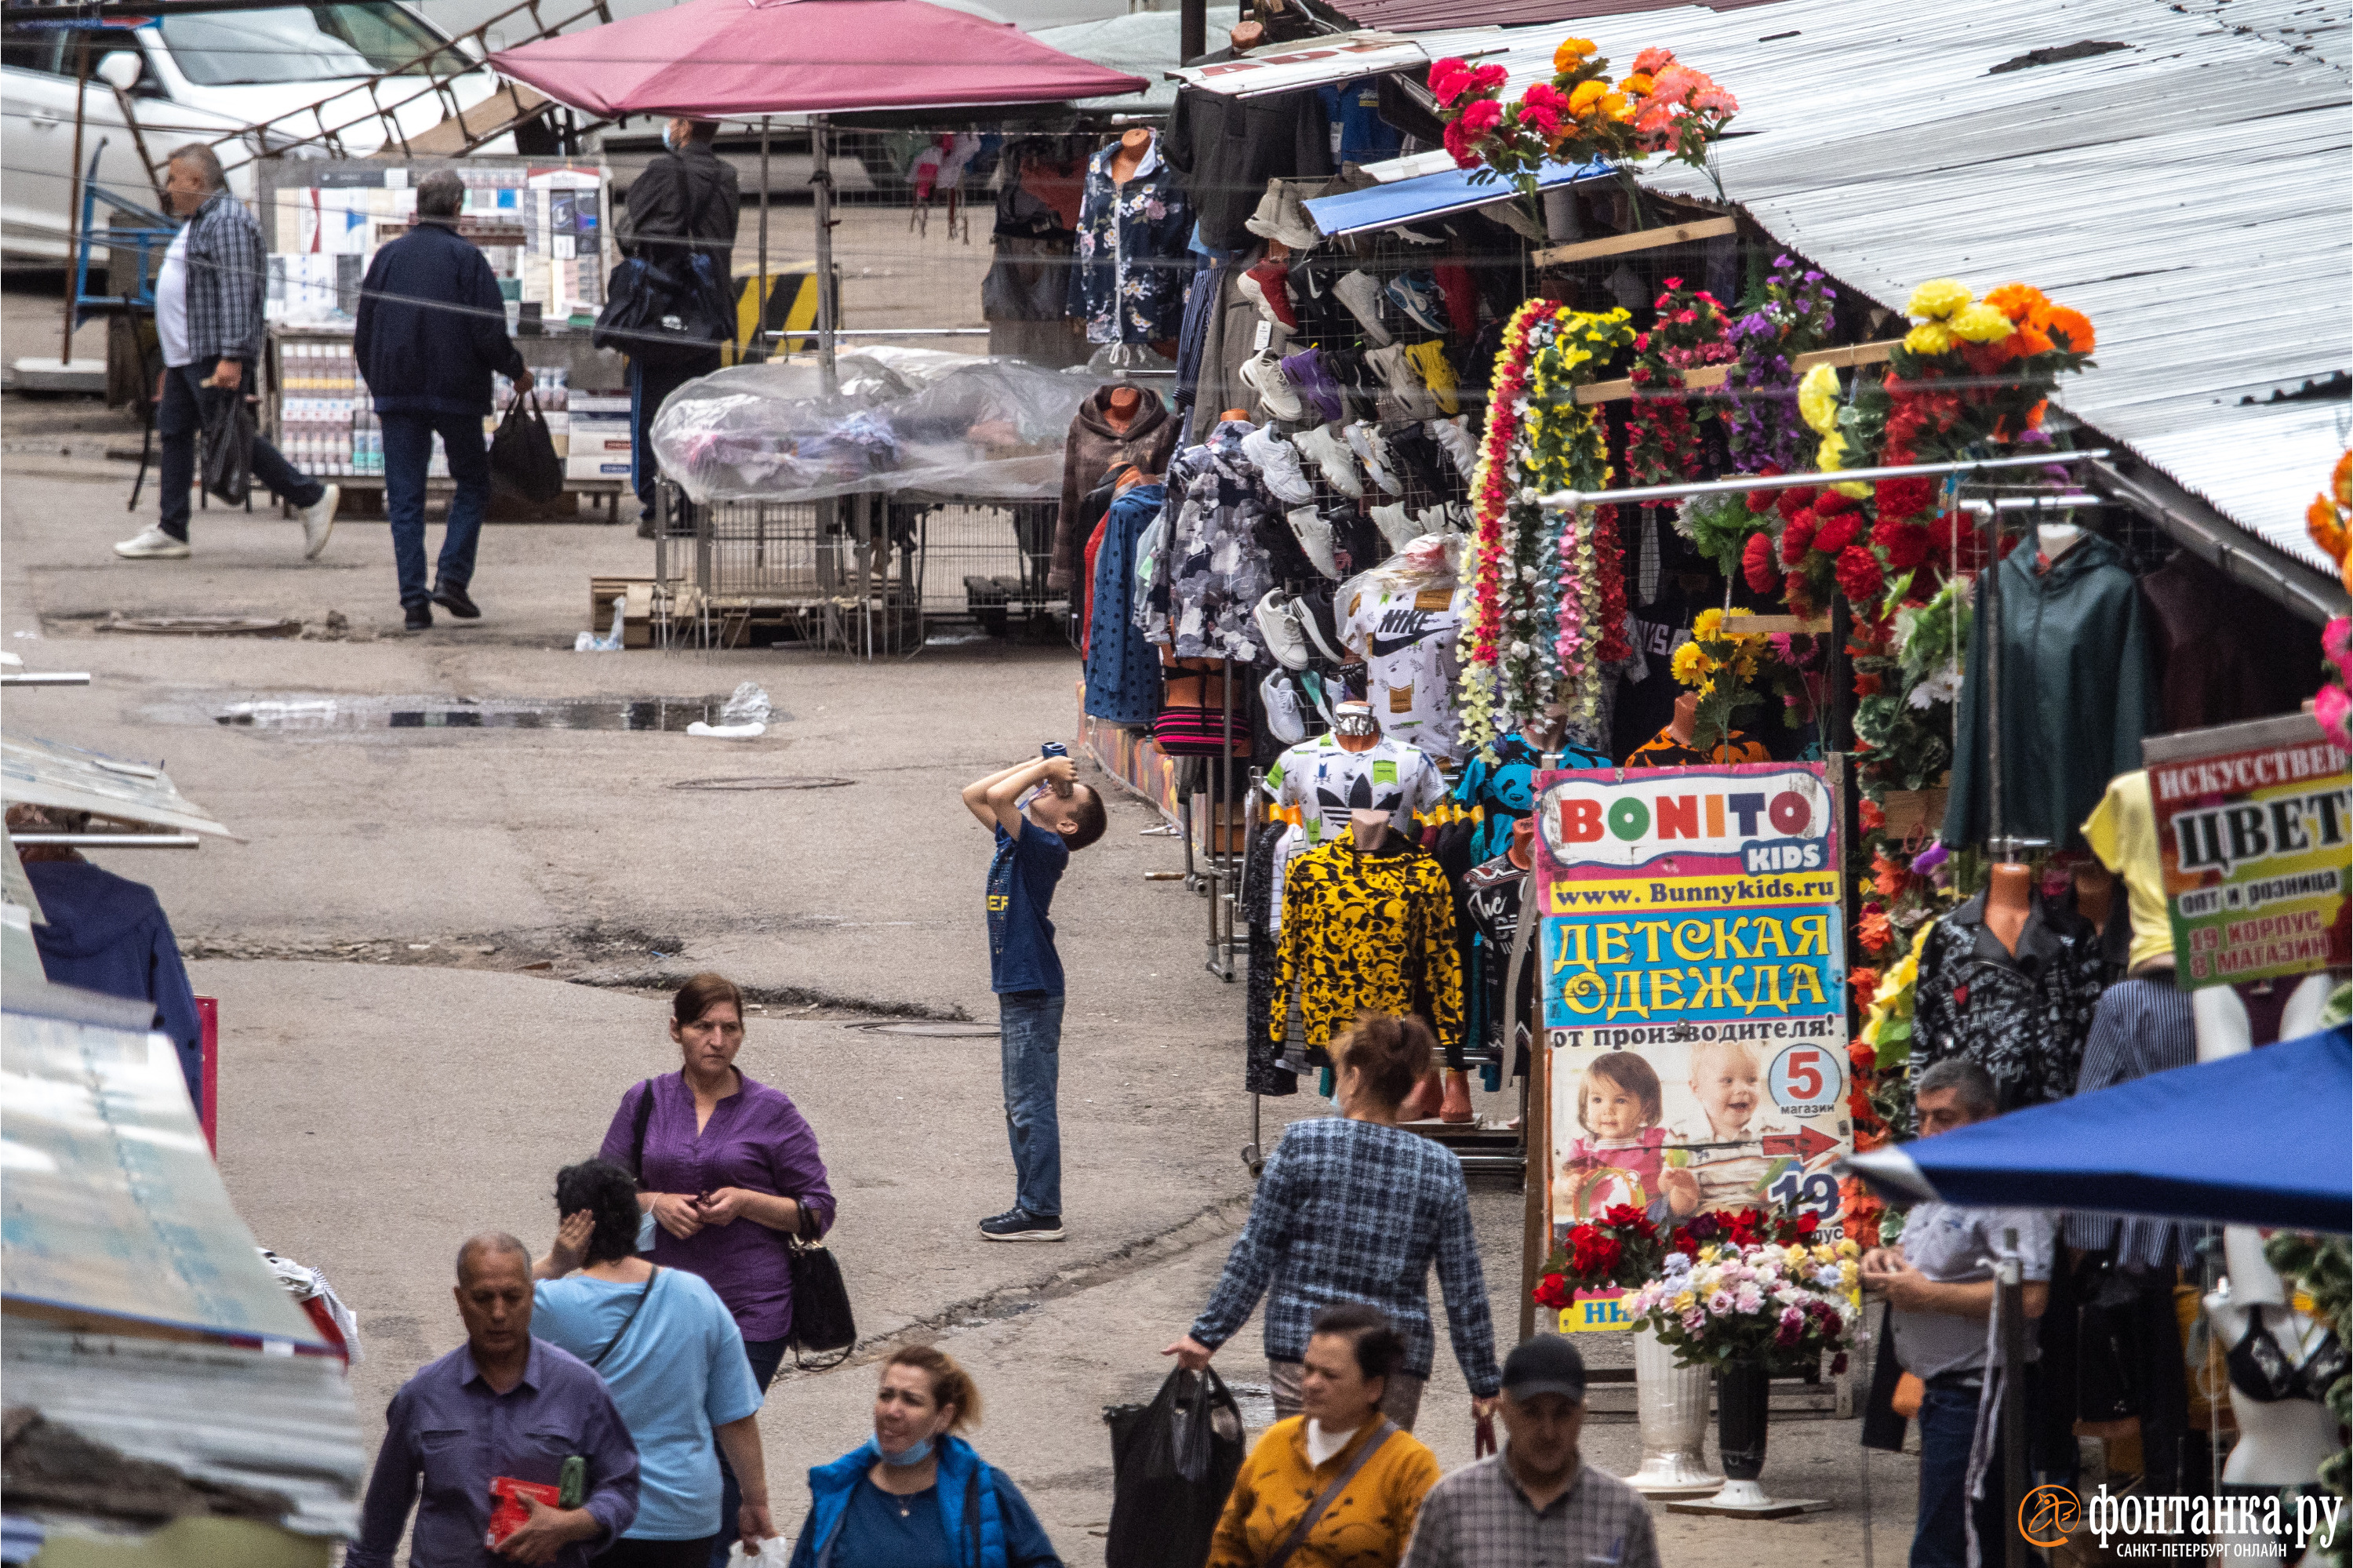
(1368, 1525)
(1368, 932)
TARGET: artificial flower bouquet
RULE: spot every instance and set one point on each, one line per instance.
(1578, 115)
(2329, 520)
(1619, 1250)
(1722, 666)
(1727, 1302)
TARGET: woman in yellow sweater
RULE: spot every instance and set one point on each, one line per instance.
(1338, 1484)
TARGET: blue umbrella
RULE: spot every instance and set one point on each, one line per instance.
(2262, 1139)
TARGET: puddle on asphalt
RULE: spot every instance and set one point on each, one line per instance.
(320, 714)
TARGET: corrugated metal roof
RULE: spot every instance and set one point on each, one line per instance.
(283, 1424)
(34, 772)
(2192, 194)
(1418, 15)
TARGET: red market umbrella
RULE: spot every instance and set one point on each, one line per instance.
(735, 59)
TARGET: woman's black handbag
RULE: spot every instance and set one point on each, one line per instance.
(523, 454)
(821, 1315)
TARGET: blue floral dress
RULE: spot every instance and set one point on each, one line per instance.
(1129, 270)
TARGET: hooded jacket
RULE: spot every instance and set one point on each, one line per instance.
(2075, 696)
(108, 934)
(989, 1522)
(1096, 444)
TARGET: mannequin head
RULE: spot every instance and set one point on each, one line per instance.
(1368, 828)
(1684, 724)
(1523, 846)
(1136, 139)
(1354, 726)
(1122, 407)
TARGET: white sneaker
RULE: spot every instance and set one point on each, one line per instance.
(1454, 436)
(1396, 373)
(1278, 627)
(1328, 452)
(1437, 520)
(1263, 374)
(1315, 537)
(1397, 528)
(1360, 442)
(1280, 217)
(1361, 292)
(318, 521)
(1280, 697)
(153, 544)
(1278, 465)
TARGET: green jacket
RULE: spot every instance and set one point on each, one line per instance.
(2076, 696)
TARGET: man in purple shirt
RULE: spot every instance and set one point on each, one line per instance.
(501, 1404)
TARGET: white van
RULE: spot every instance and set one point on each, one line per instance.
(197, 77)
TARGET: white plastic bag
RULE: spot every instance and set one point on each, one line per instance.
(776, 1551)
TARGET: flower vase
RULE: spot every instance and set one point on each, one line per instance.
(1671, 1402)
(1742, 1389)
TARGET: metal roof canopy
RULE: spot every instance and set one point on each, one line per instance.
(65, 778)
(1286, 67)
(2192, 193)
(1427, 196)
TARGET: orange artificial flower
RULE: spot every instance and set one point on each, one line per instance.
(1637, 85)
(2034, 415)
(1889, 876)
(1583, 98)
(2027, 341)
(2021, 302)
(2343, 481)
(1618, 107)
(2074, 326)
(1877, 934)
(2321, 521)
(1572, 54)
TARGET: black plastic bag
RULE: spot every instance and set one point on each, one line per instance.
(228, 435)
(1173, 1463)
(522, 455)
(675, 312)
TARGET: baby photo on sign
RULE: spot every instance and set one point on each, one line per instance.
(1674, 1130)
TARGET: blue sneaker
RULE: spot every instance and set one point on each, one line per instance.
(1416, 295)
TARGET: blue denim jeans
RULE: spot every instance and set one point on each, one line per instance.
(407, 452)
(1029, 1037)
(765, 1356)
(180, 418)
(1947, 1420)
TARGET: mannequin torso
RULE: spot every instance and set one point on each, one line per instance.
(2008, 898)
(1122, 407)
(1130, 156)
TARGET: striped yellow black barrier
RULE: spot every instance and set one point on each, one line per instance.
(791, 308)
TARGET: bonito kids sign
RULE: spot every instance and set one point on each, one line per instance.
(1693, 975)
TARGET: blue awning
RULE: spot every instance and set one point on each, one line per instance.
(1429, 195)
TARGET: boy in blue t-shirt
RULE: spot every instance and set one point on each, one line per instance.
(1033, 845)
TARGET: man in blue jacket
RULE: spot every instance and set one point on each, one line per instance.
(109, 933)
(432, 328)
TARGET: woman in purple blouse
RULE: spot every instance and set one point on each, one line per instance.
(727, 1167)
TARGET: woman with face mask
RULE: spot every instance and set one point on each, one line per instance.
(915, 1495)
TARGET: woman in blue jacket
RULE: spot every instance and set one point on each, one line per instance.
(915, 1495)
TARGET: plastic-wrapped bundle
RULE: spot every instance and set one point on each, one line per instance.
(910, 423)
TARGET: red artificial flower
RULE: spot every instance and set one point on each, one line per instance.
(1864, 984)
(1482, 117)
(1447, 79)
(1808, 1224)
(1984, 358)
(1797, 537)
(1857, 574)
(1878, 934)
(1874, 816)
(1622, 1216)
(1907, 543)
(1837, 533)
(1485, 77)
(1903, 497)
(1757, 565)
(1458, 145)
(1831, 502)
(1543, 118)
(1794, 501)
(1553, 1291)
(1866, 684)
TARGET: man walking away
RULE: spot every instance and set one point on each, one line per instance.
(685, 204)
(432, 327)
(501, 1408)
(1537, 1501)
(1940, 1283)
(209, 321)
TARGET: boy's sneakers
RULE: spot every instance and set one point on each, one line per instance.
(1022, 1225)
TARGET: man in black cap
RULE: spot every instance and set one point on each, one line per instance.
(1537, 1501)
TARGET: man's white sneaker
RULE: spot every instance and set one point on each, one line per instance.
(1454, 436)
(1315, 540)
(1327, 451)
(1279, 628)
(1263, 374)
(1278, 465)
(1359, 442)
(318, 521)
(1360, 291)
(1397, 528)
(154, 544)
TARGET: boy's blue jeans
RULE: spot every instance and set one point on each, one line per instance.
(1029, 1037)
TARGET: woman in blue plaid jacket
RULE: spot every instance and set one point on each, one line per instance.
(1353, 1208)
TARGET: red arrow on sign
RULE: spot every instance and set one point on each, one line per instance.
(1805, 1143)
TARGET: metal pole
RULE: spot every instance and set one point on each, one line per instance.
(73, 205)
(1192, 31)
(1996, 826)
(827, 307)
(2011, 1283)
(1535, 1125)
(760, 298)
(1569, 498)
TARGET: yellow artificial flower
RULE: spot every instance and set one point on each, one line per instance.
(1795, 1257)
(1834, 455)
(1690, 664)
(1848, 1247)
(1572, 54)
(1824, 1254)
(1684, 1302)
(1708, 624)
(1848, 1272)
(1639, 85)
(1618, 107)
(1818, 399)
(1939, 298)
(1982, 323)
(1929, 337)
(1585, 96)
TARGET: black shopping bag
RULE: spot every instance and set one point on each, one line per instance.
(228, 435)
(522, 455)
(1173, 1463)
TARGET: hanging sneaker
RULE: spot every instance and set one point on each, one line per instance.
(1360, 442)
(1267, 286)
(1397, 528)
(1279, 628)
(1278, 465)
(1319, 617)
(1397, 374)
(1305, 372)
(1416, 299)
(1315, 537)
(1430, 362)
(1263, 374)
(1453, 436)
(1285, 719)
(1325, 448)
(1361, 292)
(152, 544)
(1280, 217)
